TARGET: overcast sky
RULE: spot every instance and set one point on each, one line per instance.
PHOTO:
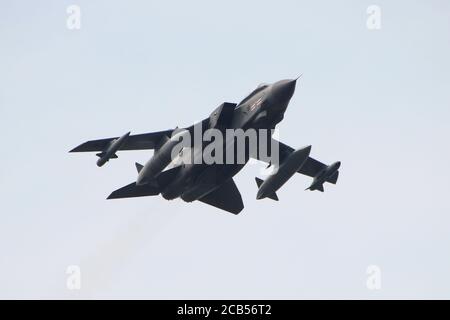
(377, 100)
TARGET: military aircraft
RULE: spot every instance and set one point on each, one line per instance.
(212, 183)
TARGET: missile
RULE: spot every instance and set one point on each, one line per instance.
(287, 169)
(110, 150)
(325, 175)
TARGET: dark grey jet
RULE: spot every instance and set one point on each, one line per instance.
(213, 183)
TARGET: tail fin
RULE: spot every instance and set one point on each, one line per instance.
(139, 167)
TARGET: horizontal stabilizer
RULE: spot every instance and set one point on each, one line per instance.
(227, 197)
(132, 190)
(166, 177)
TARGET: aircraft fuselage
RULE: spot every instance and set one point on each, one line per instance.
(262, 109)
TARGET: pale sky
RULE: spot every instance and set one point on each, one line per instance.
(377, 100)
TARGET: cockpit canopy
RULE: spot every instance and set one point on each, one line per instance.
(258, 89)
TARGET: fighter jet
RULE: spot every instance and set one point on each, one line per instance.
(212, 183)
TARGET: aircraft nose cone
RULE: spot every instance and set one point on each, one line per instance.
(284, 90)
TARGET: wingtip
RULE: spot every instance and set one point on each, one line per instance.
(111, 196)
(77, 148)
(236, 212)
